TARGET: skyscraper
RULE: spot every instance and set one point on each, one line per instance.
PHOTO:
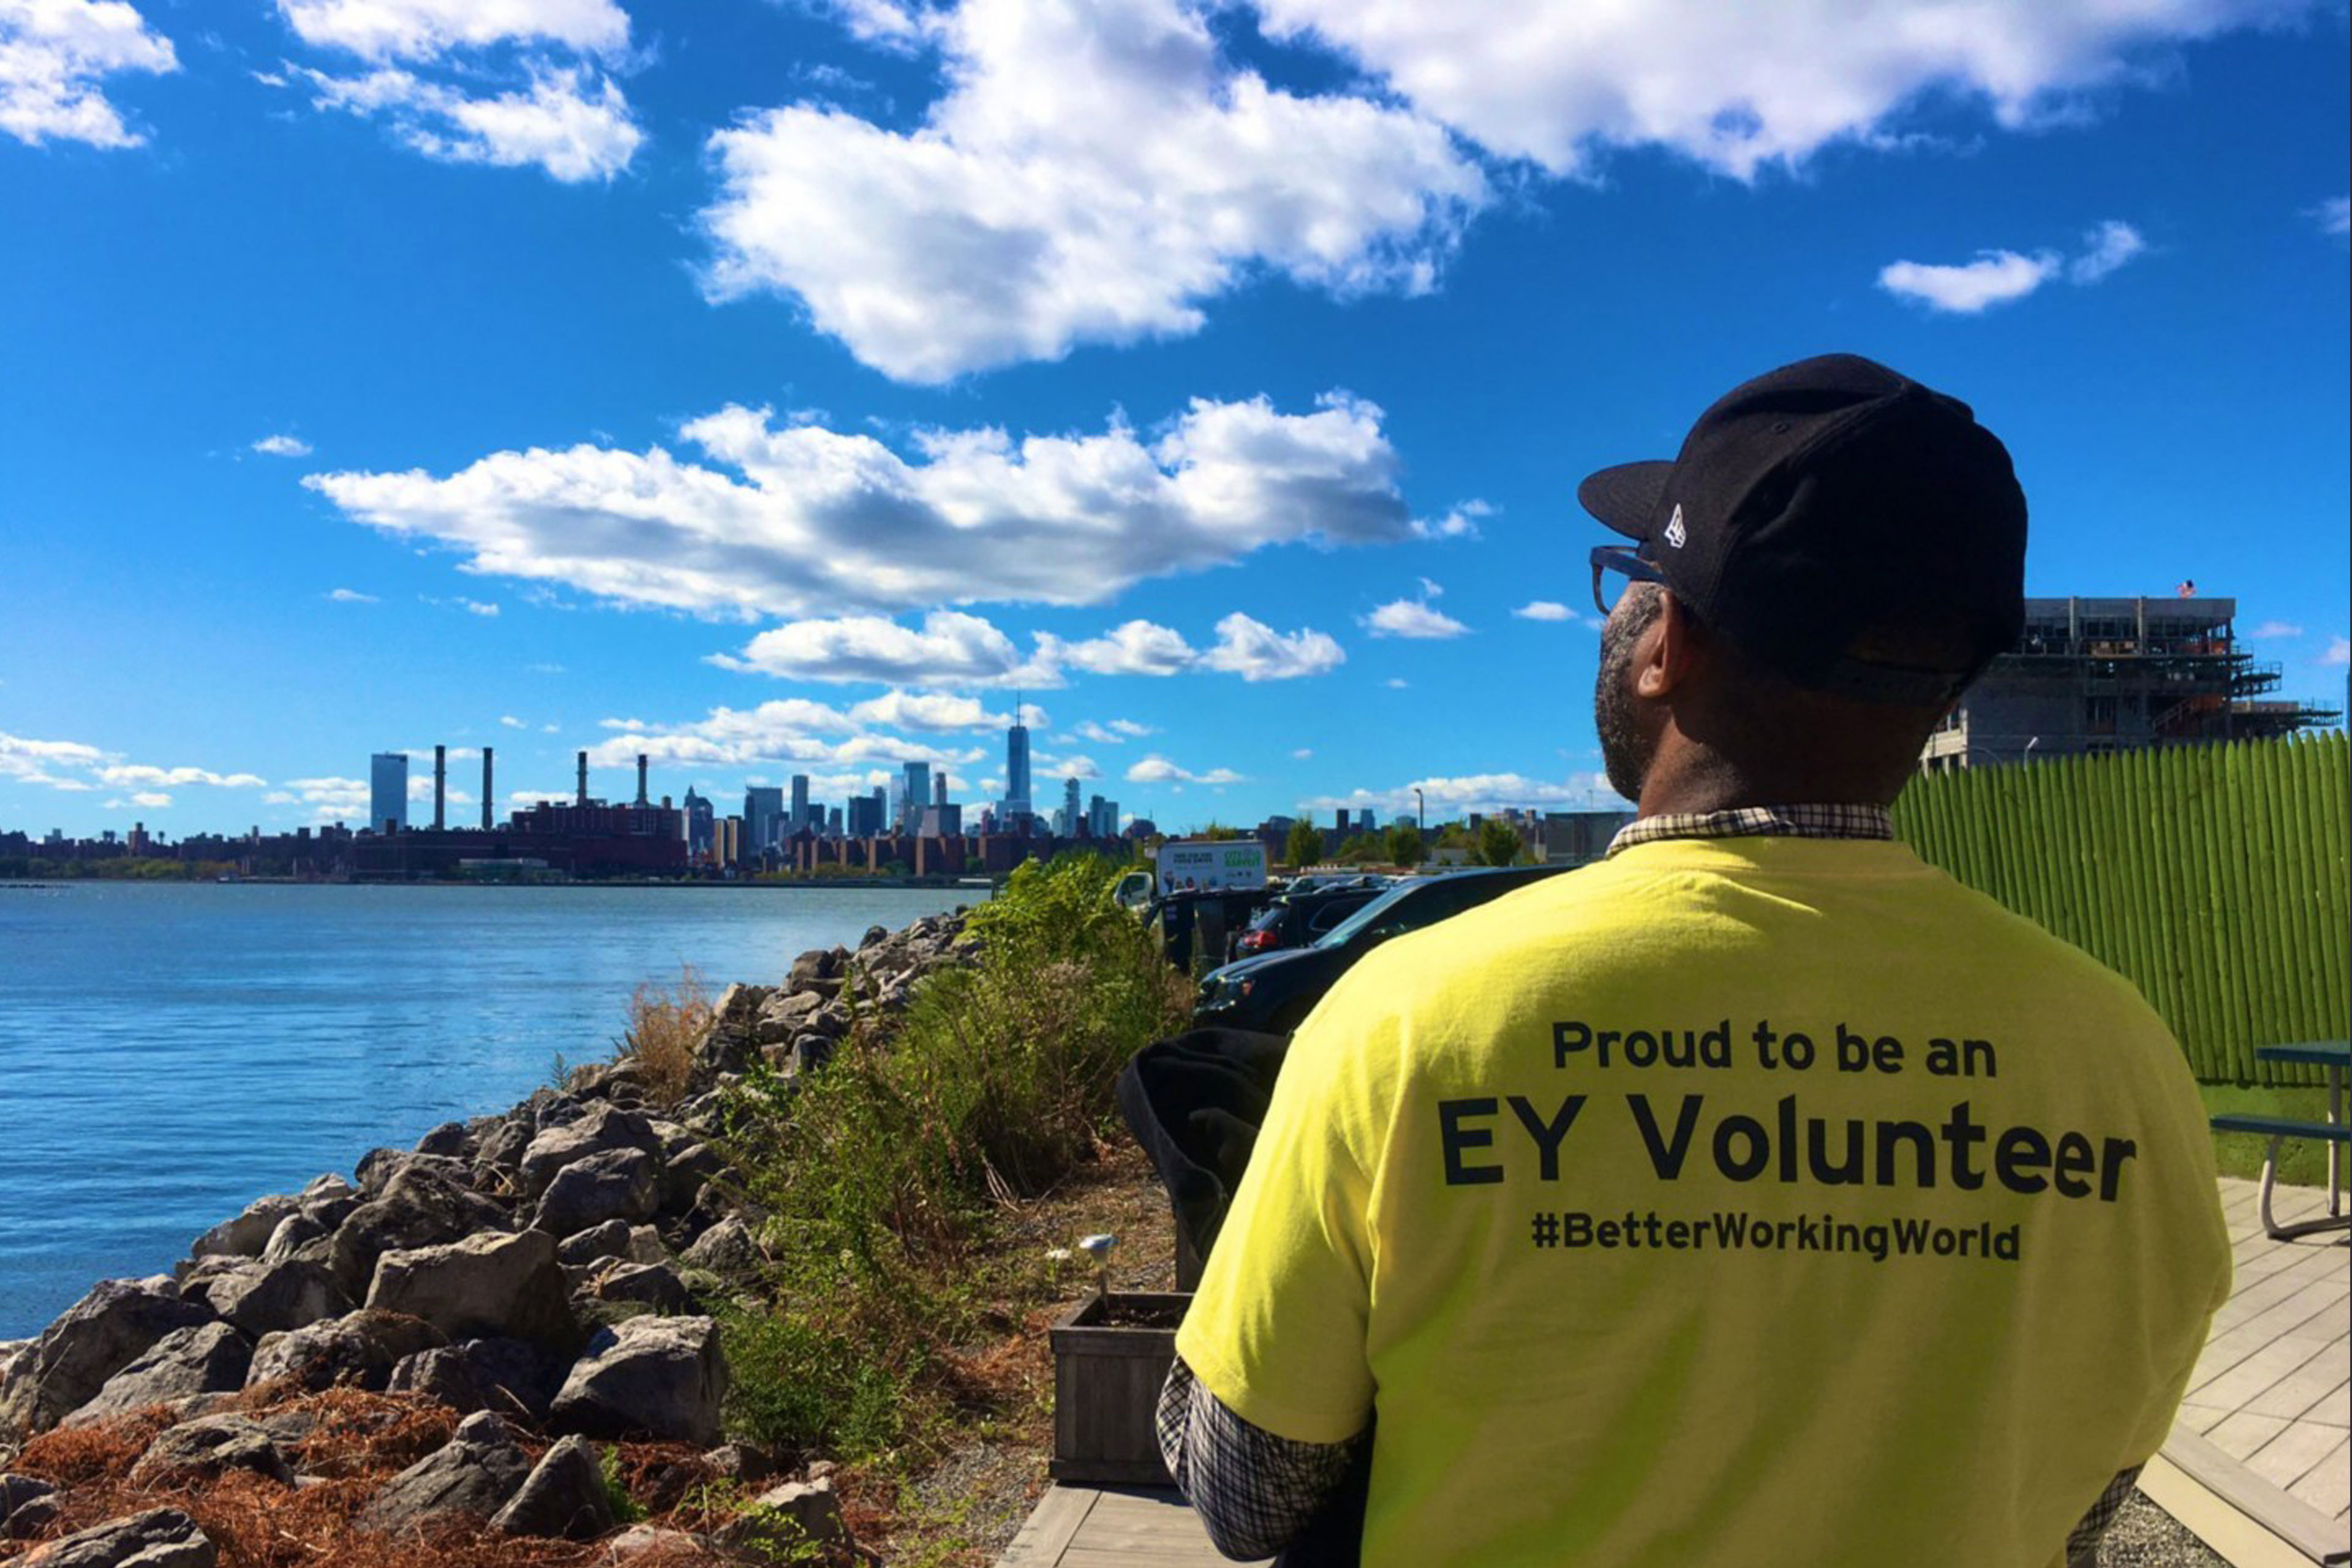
(1016, 768)
(800, 802)
(763, 811)
(701, 824)
(916, 797)
(388, 792)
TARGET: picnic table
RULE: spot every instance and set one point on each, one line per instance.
(2336, 1057)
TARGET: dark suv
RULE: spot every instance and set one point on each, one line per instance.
(1295, 919)
(1273, 991)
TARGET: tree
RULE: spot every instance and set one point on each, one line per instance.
(1304, 845)
(1498, 842)
(1404, 843)
(1218, 830)
(1359, 848)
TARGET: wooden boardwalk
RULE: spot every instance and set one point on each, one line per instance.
(2258, 1464)
(2260, 1445)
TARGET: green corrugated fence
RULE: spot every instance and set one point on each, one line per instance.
(2214, 876)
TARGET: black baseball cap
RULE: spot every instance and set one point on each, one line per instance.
(1854, 530)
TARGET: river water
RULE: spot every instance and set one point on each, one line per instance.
(170, 1051)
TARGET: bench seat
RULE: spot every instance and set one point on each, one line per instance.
(2278, 1129)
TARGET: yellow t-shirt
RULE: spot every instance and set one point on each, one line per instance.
(1730, 1204)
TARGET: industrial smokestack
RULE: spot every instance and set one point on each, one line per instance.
(641, 778)
(440, 788)
(488, 795)
(583, 779)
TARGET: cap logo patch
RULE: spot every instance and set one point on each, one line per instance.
(1675, 534)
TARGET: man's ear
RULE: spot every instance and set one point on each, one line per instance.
(1669, 652)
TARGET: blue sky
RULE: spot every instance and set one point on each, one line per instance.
(778, 388)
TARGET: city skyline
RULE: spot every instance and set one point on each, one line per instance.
(819, 389)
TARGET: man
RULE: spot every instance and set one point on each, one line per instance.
(1759, 1196)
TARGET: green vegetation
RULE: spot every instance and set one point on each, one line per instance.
(2301, 1160)
(2213, 877)
(1404, 843)
(1304, 846)
(884, 1176)
(666, 1025)
(1499, 843)
(121, 869)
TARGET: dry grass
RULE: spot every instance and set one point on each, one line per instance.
(666, 1024)
(357, 1442)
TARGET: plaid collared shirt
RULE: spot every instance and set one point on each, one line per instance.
(1255, 1492)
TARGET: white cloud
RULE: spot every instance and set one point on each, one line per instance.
(791, 731)
(1544, 610)
(54, 56)
(1738, 87)
(511, 722)
(122, 774)
(1117, 732)
(952, 649)
(476, 607)
(351, 597)
(1256, 651)
(2340, 652)
(1481, 791)
(1397, 683)
(1998, 277)
(154, 799)
(1461, 523)
(282, 446)
(571, 122)
(1094, 173)
(2333, 215)
(937, 711)
(1071, 767)
(1412, 619)
(1303, 752)
(1136, 648)
(1157, 769)
(822, 519)
(2270, 630)
(332, 799)
(427, 29)
(1994, 277)
(2106, 248)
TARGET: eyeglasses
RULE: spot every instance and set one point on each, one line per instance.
(1626, 561)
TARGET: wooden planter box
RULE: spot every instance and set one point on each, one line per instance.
(1107, 1378)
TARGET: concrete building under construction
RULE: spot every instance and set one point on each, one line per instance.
(2109, 675)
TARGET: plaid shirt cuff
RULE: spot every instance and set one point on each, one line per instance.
(1254, 1492)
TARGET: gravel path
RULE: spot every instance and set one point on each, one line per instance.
(2144, 1536)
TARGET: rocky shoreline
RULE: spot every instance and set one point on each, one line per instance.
(548, 1277)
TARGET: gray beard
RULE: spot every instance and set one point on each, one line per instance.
(1626, 751)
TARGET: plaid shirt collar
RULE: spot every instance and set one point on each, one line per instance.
(1831, 821)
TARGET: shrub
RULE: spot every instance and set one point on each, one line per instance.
(666, 1025)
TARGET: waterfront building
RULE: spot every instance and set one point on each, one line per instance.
(388, 792)
(763, 814)
(2110, 675)
(833, 823)
(700, 819)
(865, 817)
(915, 792)
(727, 841)
(1102, 817)
(799, 803)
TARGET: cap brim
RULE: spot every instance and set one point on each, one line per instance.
(1626, 497)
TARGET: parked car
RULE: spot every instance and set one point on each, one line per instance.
(1297, 919)
(1273, 991)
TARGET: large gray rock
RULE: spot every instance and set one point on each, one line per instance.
(601, 1129)
(264, 1298)
(610, 1239)
(473, 1476)
(210, 1358)
(784, 1522)
(685, 1168)
(106, 1330)
(490, 1286)
(208, 1447)
(451, 1137)
(159, 1538)
(730, 1249)
(502, 1146)
(509, 1376)
(654, 1286)
(27, 1506)
(617, 1184)
(640, 1542)
(564, 1496)
(419, 1207)
(299, 1235)
(379, 1168)
(245, 1235)
(358, 1348)
(663, 1377)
